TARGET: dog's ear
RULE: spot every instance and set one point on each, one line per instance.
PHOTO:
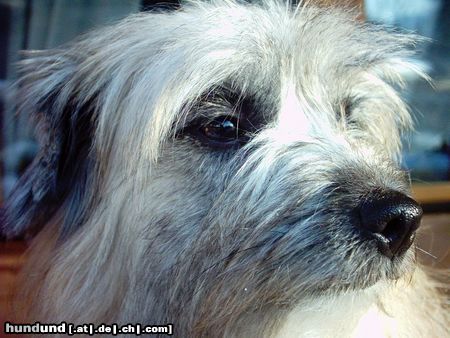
(49, 94)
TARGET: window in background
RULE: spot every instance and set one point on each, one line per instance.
(427, 150)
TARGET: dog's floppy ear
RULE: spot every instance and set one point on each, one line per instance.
(49, 94)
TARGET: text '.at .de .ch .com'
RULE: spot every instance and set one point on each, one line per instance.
(87, 329)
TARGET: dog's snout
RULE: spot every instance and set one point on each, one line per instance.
(392, 219)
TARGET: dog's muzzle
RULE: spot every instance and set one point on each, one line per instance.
(391, 219)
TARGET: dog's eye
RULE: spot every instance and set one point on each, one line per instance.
(223, 132)
(222, 120)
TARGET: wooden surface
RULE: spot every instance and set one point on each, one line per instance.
(11, 260)
(438, 192)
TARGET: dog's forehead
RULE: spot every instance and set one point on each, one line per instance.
(260, 47)
(261, 51)
(255, 41)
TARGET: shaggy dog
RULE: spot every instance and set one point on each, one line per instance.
(228, 168)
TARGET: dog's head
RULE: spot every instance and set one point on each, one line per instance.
(244, 154)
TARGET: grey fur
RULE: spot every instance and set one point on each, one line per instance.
(156, 227)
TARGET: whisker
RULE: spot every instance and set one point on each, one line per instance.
(426, 252)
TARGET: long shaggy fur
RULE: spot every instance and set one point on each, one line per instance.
(139, 221)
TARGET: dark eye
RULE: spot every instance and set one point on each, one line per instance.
(222, 132)
(222, 119)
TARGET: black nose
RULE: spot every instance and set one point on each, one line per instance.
(391, 218)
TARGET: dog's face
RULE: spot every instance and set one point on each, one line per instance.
(241, 155)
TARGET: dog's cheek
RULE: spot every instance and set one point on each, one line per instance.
(199, 164)
(191, 180)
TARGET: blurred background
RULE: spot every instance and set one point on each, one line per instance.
(43, 24)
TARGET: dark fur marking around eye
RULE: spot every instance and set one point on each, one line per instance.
(223, 119)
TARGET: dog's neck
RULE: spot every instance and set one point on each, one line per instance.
(384, 310)
(353, 314)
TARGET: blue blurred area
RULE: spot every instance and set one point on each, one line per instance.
(428, 166)
(426, 152)
(420, 16)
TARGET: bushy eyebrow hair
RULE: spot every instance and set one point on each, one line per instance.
(226, 100)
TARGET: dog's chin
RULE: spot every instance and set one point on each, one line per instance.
(379, 269)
